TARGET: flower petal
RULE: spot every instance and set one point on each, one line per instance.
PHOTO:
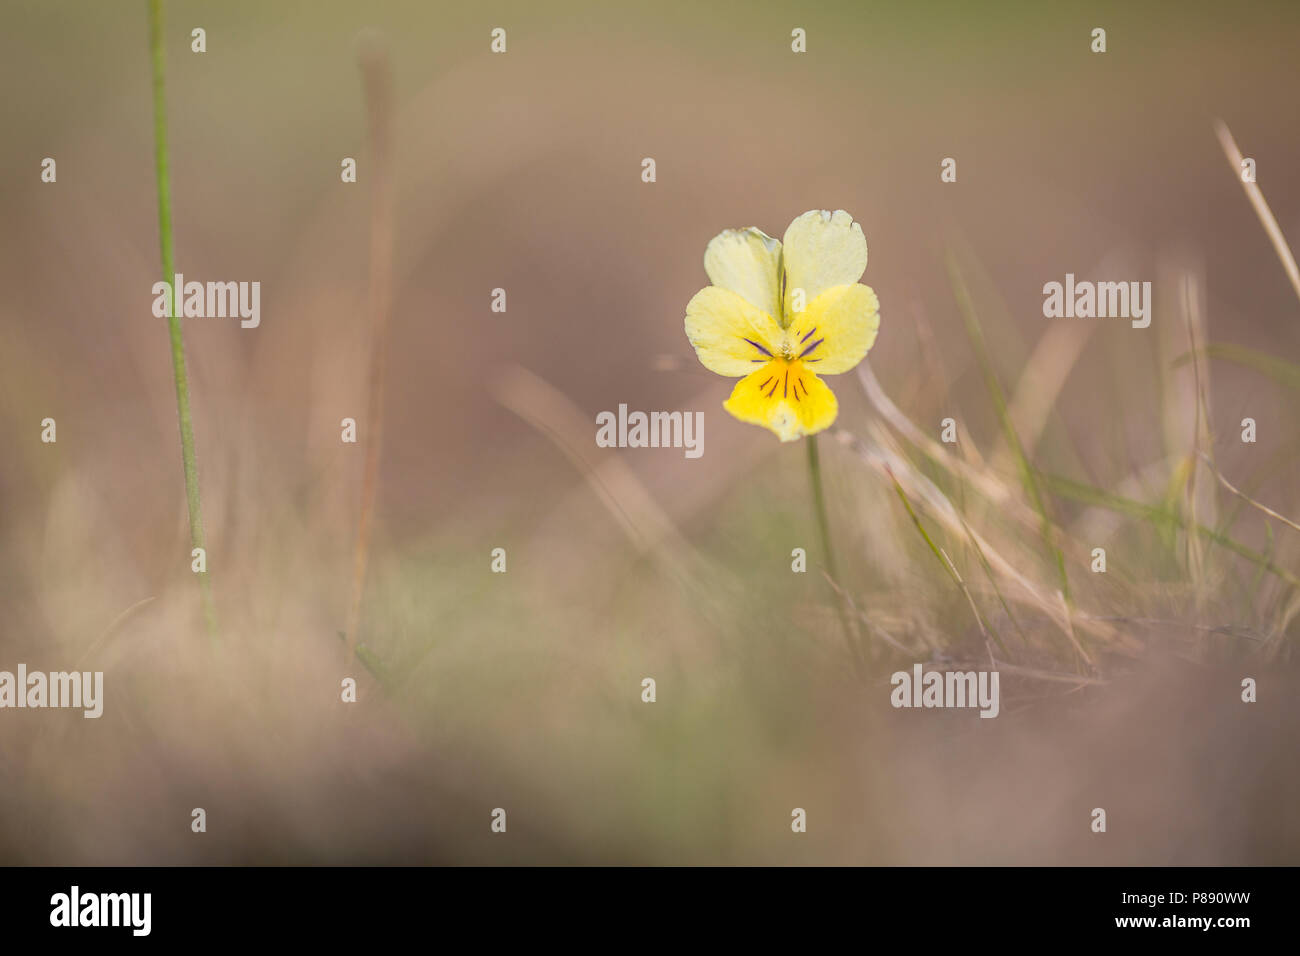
(784, 397)
(822, 249)
(748, 262)
(837, 328)
(730, 336)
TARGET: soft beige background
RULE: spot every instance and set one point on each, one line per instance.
(523, 171)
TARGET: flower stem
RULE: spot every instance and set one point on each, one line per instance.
(824, 527)
(197, 538)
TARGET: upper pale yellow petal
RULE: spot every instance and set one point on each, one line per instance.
(822, 249)
(748, 262)
(730, 335)
(836, 330)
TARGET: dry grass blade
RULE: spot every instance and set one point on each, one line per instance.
(981, 480)
(1042, 380)
(646, 525)
(1256, 197)
(988, 573)
(861, 615)
(102, 640)
(942, 555)
(1035, 673)
(1245, 497)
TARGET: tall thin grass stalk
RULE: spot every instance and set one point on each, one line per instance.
(1195, 547)
(377, 81)
(188, 459)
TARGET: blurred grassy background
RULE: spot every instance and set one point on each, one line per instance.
(523, 690)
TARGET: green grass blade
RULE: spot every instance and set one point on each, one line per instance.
(1158, 517)
(161, 167)
(1280, 370)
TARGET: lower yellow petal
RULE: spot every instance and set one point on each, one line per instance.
(784, 397)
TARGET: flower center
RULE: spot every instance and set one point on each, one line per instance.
(805, 348)
(791, 349)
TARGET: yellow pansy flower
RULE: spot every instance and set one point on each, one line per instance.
(782, 313)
